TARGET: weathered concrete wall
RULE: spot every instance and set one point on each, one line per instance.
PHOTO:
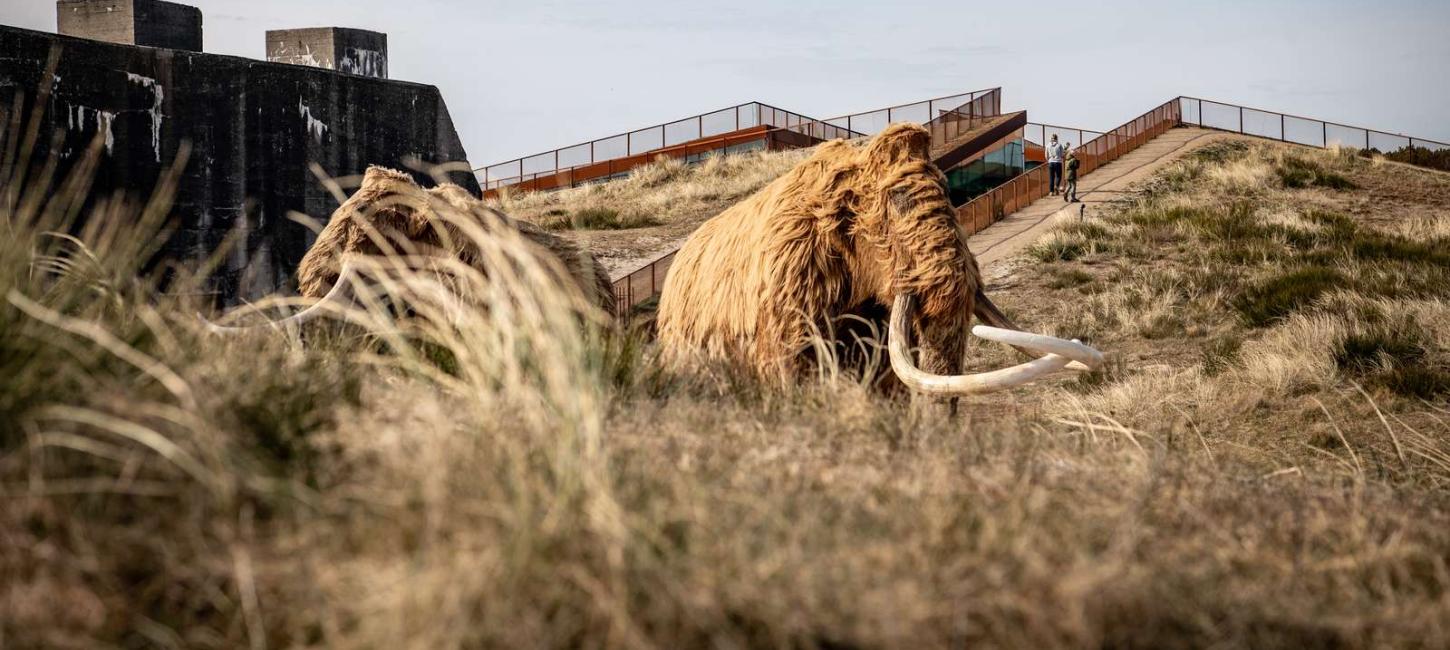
(354, 51)
(149, 23)
(254, 128)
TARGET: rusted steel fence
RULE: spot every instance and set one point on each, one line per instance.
(646, 140)
(1023, 190)
(759, 137)
(641, 285)
(945, 119)
(979, 103)
(626, 149)
(1292, 128)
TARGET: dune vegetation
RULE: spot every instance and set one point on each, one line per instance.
(1265, 465)
(633, 220)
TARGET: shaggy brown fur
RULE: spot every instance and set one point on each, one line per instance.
(847, 229)
(391, 214)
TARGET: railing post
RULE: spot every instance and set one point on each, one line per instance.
(1281, 128)
(1241, 119)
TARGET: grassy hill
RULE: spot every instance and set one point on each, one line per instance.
(629, 222)
(1265, 465)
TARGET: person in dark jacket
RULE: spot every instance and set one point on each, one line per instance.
(1069, 194)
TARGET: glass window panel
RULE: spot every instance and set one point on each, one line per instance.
(919, 112)
(1188, 108)
(646, 140)
(1032, 133)
(949, 104)
(1346, 136)
(1261, 123)
(717, 123)
(749, 115)
(539, 163)
(1387, 142)
(1220, 116)
(1302, 131)
(503, 170)
(611, 148)
(869, 123)
(574, 156)
(681, 131)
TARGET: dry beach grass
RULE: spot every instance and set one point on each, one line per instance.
(631, 221)
(1266, 466)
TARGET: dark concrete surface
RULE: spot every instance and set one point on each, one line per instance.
(149, 23)
(254, 128)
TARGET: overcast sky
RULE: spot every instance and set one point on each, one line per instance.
(528, 76)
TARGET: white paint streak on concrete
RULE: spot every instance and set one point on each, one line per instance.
(314, 126)
(157, 94)
(79, 116)
(368, 63)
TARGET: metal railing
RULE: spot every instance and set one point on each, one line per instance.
(945, 121)
(1038, 134)
(749, 139)
(1018, 193)
(987, 101)
(641, 285)
(640, 141)
(936, 111)
(1273, 125)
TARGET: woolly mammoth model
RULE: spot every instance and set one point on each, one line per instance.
(849, 229)
(391, 216)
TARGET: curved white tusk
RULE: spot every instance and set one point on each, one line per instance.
(1083, 357)
(341, 290)
(1061, 353)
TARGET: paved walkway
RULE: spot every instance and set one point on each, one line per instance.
(1020, 229)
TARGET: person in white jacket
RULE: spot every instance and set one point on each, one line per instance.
(1055, 153)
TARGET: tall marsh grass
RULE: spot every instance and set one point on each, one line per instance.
(499, 471)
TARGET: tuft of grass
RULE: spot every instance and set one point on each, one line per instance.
(1296, 172)
(595, 218)
(1395, 356)
(1068, 278)
(1280, 295)
(1221, 354)
(1058, 249)
(1418, 381)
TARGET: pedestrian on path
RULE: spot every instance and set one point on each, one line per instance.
(1055, 153)
(1070, 194)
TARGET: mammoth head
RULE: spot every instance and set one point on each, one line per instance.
(908, 251)
(902, 234)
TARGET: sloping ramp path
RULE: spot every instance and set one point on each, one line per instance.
(1020, 229)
